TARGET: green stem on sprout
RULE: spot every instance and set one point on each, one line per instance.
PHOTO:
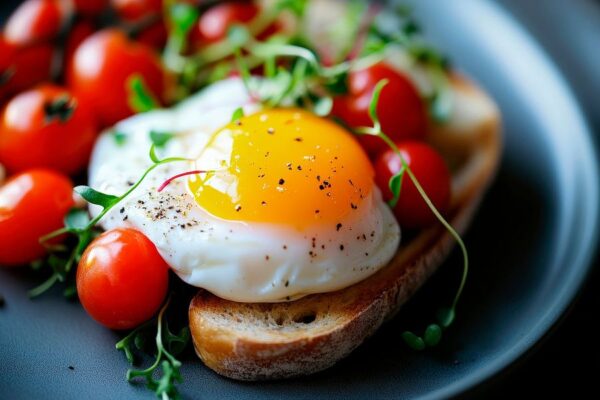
(38, 290)
(161, 351)
(53, 235)
(446, 316)
(94, 221)
(223, 49)
(84, 233)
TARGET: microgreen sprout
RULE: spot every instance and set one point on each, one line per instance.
(140, 98)
(160, 139)
(181, 175)
(445, 316)
(168, 346)
(78, 223)
(119, 137)
(237, 114)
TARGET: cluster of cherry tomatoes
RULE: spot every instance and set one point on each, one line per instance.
(404, 119)
(63, 79)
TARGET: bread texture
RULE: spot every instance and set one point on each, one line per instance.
(278, 340)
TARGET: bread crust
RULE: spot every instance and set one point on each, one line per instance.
(279, 340)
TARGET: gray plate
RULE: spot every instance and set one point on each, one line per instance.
(531, 247)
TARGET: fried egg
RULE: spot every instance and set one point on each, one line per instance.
(282, 202)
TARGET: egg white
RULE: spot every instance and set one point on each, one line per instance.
(245, 262)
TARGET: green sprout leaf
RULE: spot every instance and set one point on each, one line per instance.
(297, 7)
(183, 16)
(338, 84)
(440, 106)
(160, 139)
(395, 185)
(140, 340)
(433, 335)
(165, 386)
(238, 36)
(70, 292)
(77, 220)
(140, 98)
(237, 114)
(120, 137)
(413, 341)
(323, 106)
(60, 260)
(375, 102)
(445, 316)
(153, 155)
(95, 197)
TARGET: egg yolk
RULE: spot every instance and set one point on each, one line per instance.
(284, 166)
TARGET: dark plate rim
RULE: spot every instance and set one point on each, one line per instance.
(588, 168)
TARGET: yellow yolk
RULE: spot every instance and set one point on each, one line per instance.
(284, 166)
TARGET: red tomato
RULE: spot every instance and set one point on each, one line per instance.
(154, 36)
(401, 110)
(121, 279)
(431, 172)
(32, 204)
(36, 21)
(7, 66)
(46, 127)
(90, 8)
(80, 31)
(216, 21)
(134, 10)
(20, 69)
(101, 66)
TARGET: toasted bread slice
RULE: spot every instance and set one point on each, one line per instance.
(278, 340)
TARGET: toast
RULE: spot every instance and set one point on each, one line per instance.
(278, 340)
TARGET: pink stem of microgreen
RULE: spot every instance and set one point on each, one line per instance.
(171, 179)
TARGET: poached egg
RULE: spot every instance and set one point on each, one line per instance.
(283, 203)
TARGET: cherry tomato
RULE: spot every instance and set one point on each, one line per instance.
(154, 36)
(121, 279)
(46, 127)
(7, 65)
(216, 21)
(32, 204)
(36, 21)
(401, 110)
(432, 173)
(101, 66)
(90, 8)
(20, 69)
(80, 31)
(134, 10)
